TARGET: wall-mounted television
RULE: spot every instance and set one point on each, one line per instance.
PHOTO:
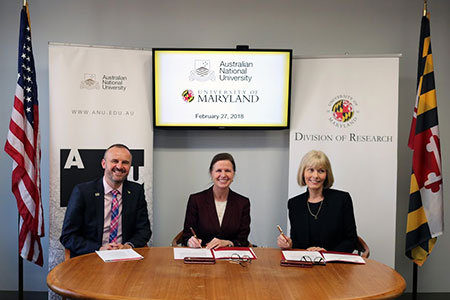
(221, 88)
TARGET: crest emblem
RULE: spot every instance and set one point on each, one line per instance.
(342, 110)
(89, 82)
(188, 95)
(202, 71)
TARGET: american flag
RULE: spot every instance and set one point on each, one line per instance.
(23, 145)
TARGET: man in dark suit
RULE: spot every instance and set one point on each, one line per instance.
(107, 213)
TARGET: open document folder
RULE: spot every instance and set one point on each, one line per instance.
(118, 255)
(219, 253)
(317, 257)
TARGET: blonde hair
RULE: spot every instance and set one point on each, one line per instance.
(315, 158)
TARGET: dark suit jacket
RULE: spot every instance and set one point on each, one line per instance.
(84, 220)
(336, 222)
(201, 215)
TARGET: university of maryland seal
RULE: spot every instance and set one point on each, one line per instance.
(188, 95)
(342, 110)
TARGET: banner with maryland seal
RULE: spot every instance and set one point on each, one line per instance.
(347, 107)
(99, 96)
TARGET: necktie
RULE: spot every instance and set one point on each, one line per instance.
(114, 217)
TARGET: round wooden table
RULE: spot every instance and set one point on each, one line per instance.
(159, 276)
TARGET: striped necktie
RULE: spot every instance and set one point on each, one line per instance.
(114, 217)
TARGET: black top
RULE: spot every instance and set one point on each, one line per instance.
(314, 225)
(334, 229)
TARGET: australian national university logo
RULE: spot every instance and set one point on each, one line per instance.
(108, 82)
(202, 72)
(228, 71)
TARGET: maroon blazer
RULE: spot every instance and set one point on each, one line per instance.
(201, 215)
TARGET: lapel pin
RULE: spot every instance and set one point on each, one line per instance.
(97, 194)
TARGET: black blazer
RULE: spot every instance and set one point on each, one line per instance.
(336, 222)
(82, 230)
(201, 215)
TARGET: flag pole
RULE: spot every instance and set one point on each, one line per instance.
(20, 256)
(20, 296)
(20, 264)
(415, 267)
(414, 288)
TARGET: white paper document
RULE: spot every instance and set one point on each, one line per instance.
(299, 255)
(327, 256)
(349, 258)
(118, 255)
(222, 253)
(181, 253)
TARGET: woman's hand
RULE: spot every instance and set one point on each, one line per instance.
(194, 242)
(315, 249)
(284, 243)
(217, 243)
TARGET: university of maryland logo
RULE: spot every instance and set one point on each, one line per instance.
(342, 111)
(188, 96)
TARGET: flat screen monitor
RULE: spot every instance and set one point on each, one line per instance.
(221, 88)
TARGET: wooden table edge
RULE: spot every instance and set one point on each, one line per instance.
(92, 295)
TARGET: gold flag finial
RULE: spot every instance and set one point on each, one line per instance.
(424, 8)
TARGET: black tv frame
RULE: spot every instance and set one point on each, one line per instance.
(239, 48)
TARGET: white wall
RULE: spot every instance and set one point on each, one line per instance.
(181, 158)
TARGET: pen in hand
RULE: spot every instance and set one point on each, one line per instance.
(282, 234)
(193, 232)
(194, 235)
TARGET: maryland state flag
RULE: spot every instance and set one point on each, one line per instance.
(426, 213)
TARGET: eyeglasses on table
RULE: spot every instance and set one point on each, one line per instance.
(244, 260)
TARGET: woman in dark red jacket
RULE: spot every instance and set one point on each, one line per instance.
(219, 216)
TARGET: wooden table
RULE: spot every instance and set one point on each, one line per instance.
(159, 276)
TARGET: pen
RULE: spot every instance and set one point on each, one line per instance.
(193, 232)
(195, 236)
(282, 234)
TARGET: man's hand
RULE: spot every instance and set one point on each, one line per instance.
(125, 246)
(110, 246)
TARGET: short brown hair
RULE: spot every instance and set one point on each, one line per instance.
(118, 146)
(315, 158)
(222, 156)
